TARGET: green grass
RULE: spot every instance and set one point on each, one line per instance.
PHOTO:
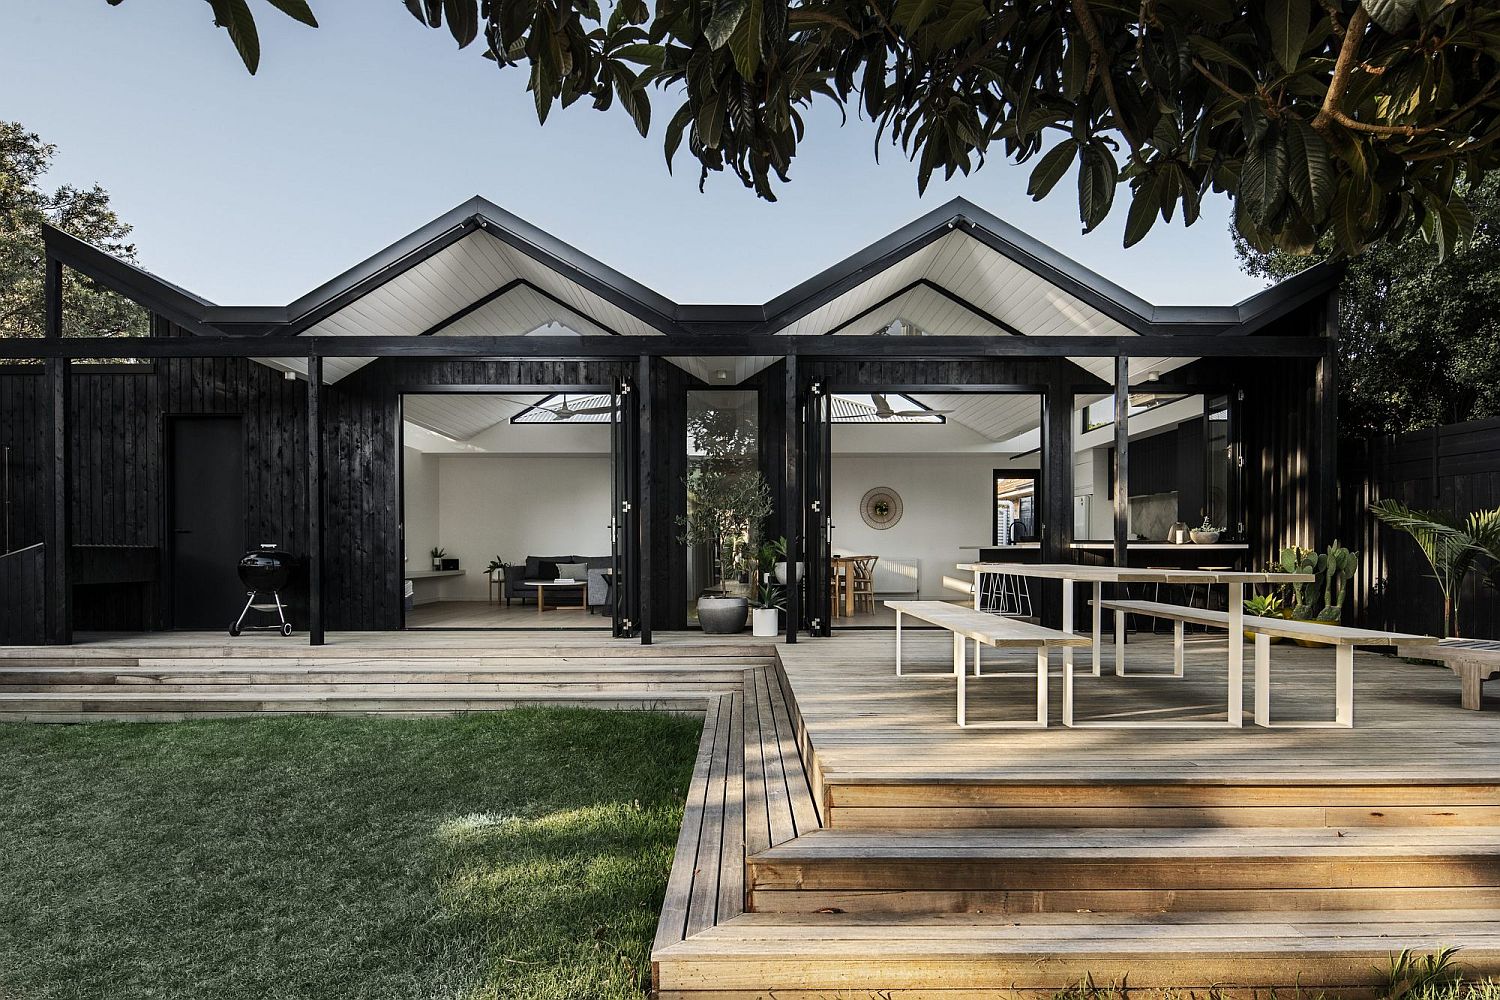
(518, 854)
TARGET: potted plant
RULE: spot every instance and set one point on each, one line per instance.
(770, 599)
(728, 501)
(1263, 606)
(437, 557)
(779, 562)
(1206, 533)
(1322, 598)
(1339, 565)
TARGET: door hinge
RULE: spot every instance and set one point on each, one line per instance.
(625, 506)
(817, 505)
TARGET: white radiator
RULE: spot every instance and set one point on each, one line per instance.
(898, 576)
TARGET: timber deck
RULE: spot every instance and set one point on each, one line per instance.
(843, 838)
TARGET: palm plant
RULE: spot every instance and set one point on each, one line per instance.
(1450, 545)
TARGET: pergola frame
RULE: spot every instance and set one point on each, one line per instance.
(1228, 332)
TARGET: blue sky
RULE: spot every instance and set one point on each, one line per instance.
(253, 190)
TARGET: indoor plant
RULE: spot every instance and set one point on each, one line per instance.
(770, 599)
(437, 557)
(1263, 606)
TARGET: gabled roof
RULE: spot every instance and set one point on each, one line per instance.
(519, 252)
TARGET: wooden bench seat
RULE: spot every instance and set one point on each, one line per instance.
(983, 629)
(1343, 638)
(1473, 660)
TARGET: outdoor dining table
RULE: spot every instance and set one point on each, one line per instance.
(1072, 574)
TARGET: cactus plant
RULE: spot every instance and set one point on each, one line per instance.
(1338, 569)
(1296, 559)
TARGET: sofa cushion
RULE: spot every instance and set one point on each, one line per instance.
(544, 567)
(572, 570)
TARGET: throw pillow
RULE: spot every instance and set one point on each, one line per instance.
(533, 568)
(573, 571)
(546, 570)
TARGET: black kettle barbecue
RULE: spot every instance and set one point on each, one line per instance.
(265, 569)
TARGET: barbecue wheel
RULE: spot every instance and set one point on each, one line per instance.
(234, 630)
(286, 629)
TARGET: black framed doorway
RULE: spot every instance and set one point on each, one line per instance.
(577, 522)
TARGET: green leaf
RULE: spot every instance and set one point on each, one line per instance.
(297, 10)
(910, 14)
(1098, 175)
(1308, 169)
(1288, 22)
(725, 19)
(234, 17)
(1263, 178)
(745, 43)
(463, 20)
(1050, 169)
(1391, 15)
(1144, 208)
(675, 128)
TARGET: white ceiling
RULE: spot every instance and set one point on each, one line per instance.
(457, 277)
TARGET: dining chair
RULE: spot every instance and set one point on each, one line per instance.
(863, 581)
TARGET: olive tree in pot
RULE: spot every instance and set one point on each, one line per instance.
(728, 500)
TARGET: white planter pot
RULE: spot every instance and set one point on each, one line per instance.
(780, 572)
(437, 565)
(765, 622)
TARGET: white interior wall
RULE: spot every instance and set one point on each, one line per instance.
(420, 507)
(946, 502)
(510, 506)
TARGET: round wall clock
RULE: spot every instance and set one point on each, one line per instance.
(880, 507)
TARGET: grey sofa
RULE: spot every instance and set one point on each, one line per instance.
(596, 592)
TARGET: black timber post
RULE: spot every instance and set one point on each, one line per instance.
(1325, 457)
(59, 596)
(1120, 473)
(1057, 473)
(791, 502)
(646, 405)
(315, 636)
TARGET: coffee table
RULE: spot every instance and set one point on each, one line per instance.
(542, 586)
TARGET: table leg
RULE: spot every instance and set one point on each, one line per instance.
(960, 672)
(1262, 679)
(849, 593)
(1098, 623)
(898, 643)
(1177, 628)
(1069, 586)
(541, 600)
(1041, 685)
(1344, 686)
(1067, 708)
(1119, 643)
(1237, 654)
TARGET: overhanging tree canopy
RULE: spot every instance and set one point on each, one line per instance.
(1352, 117)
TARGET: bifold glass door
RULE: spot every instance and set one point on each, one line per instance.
(817, 521)
(624, 524)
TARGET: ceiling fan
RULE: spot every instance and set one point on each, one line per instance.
(567, 411)
(884, 411)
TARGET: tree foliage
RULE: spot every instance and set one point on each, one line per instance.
(88, 309)
(1356, 118)
(1419, 333)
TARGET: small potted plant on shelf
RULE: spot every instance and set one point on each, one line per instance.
(437, 557)
(1206, 533)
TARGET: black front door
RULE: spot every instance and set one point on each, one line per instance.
(206, 520)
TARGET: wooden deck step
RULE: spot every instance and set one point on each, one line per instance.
(1234, 953)
(1060, 870)
(749, 792)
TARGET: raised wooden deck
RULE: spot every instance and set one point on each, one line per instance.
(843, 838)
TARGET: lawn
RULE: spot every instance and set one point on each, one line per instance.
(515, 854)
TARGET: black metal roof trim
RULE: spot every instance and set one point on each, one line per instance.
(708, 322)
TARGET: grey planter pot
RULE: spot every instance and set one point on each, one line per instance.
(723, 615)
